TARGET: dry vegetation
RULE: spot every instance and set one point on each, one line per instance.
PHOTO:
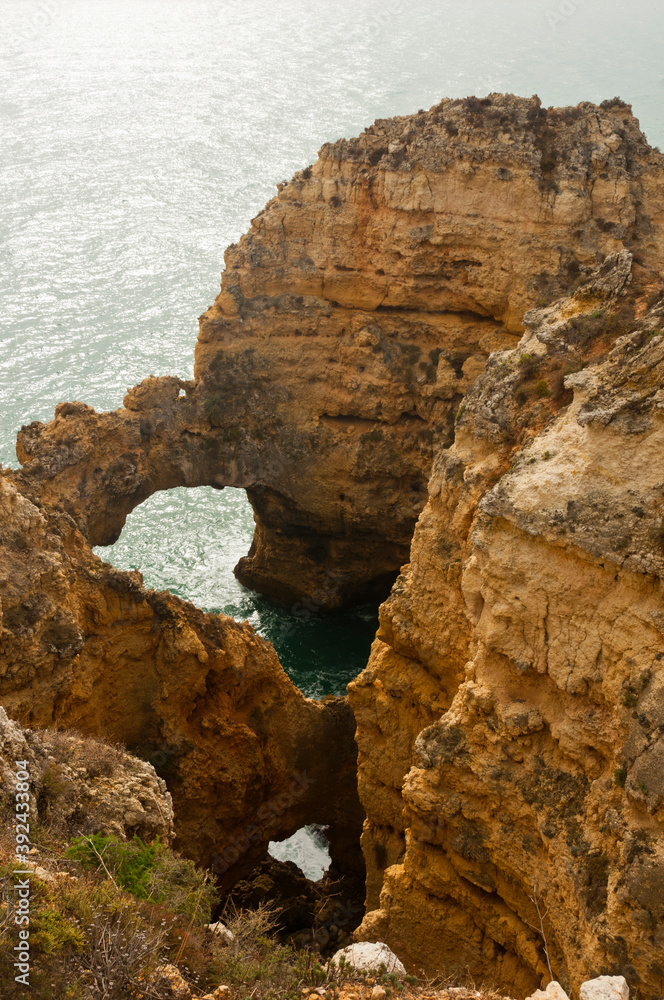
(113, 920)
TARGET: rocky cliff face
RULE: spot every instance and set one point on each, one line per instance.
(247, 757)
(510, 719)
(352, 319)
(468, 290)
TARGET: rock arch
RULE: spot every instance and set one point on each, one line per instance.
(352, 317)
(366, 299)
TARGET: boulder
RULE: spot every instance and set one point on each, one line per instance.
(221, 932)
(370, 955)
(605, 988)
(553, 991)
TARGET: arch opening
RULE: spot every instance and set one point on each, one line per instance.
(189, 539)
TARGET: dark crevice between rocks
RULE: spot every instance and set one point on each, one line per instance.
(292, 559)
(310, 914)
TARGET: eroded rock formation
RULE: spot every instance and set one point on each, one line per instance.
(352, 318)
(509, 721)
(82, 785)
(528, 632)
(247, 757)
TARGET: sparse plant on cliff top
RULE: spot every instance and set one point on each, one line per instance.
(122, 957)
(99, 757)
(93, 940)
(129, 865)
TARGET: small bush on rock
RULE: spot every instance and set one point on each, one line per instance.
(152, 872)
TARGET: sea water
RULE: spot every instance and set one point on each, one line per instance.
(137, 140)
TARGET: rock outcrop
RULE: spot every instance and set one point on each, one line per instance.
(246, 756)
(510, 719)
(83, 785)
(464, 296)
(352, 319)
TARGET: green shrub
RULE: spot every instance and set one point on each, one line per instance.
(152, 872)
(183, 888)
(255, 957)
(529, 365)
(130, 864)
(54, 931)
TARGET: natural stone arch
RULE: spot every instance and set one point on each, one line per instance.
(247, 757)
(332, 364)
(329, 372)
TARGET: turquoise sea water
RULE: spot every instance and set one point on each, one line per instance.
(137, 140)
(192, 539)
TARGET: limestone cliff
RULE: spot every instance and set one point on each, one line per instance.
(352, 318)
(464, 296)
(246, 756)
(527, 632)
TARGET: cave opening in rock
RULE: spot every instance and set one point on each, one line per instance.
(188, 540)
(308, 848)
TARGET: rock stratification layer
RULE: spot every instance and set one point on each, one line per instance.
(527, 632)
(353, 317)
(466, 296)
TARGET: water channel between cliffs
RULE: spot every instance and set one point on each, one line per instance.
(187, 541)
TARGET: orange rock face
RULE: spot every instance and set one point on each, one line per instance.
(510, 717)
(440, 301)
(352, 319)
(246, 756)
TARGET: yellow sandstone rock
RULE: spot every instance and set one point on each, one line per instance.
(464, 298)
(530, 810)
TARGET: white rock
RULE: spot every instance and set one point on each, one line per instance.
(221, 931)
(605, 988)
(41, 873)
(554, 991)
(370, 955)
